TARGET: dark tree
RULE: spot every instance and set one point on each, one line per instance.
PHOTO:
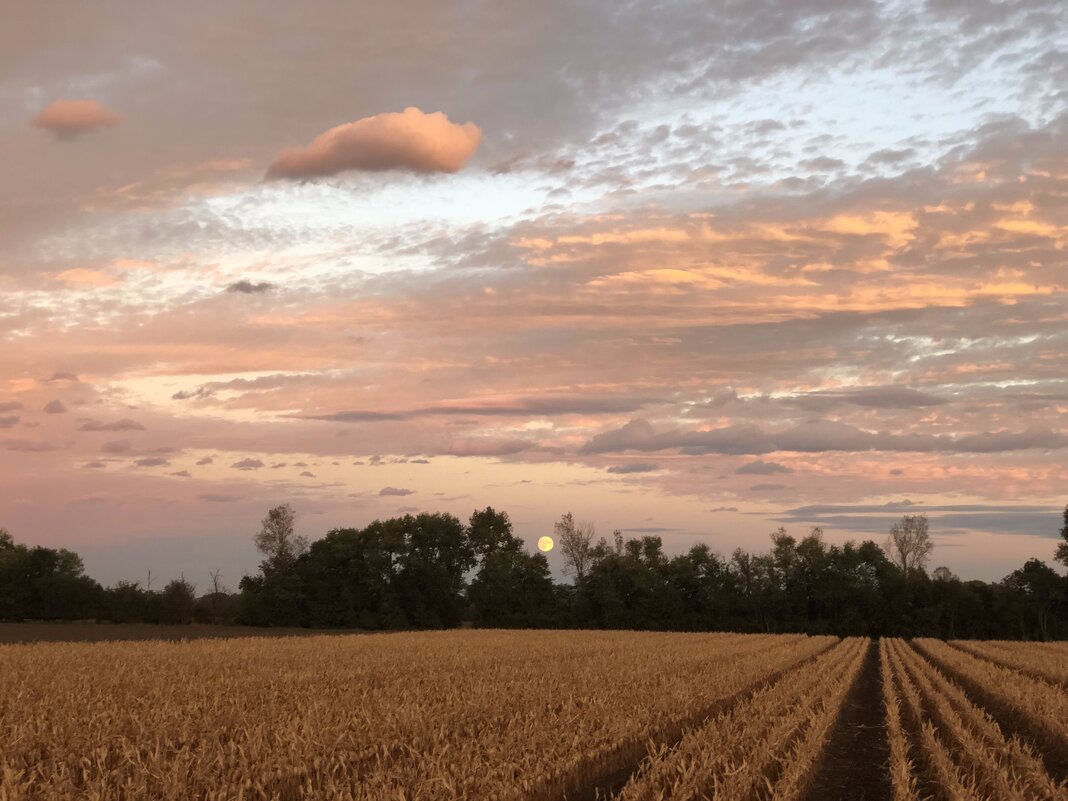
(1061, 554)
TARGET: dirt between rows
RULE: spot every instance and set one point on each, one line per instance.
(854, 765)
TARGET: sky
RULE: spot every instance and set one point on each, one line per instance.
(694, 269)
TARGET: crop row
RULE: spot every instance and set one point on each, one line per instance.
(944, 743)
(1046, 661)
(764, 748)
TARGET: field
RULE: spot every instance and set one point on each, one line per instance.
(546, 716)
(103, 632)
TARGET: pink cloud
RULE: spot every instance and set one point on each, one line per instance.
(70, 118)
(409, 140)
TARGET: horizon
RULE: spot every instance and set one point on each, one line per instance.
(693, 272)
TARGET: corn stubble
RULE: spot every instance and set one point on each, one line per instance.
(949, 717)
(504, 716)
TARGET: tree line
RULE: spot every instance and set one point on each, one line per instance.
(432, 571)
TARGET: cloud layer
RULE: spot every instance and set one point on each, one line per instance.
(695, 276)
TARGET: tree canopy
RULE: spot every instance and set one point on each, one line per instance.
(434, 571)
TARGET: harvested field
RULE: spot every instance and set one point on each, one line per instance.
(503, 715)
(107, 632)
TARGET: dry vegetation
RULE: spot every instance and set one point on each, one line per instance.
(962, 728)
(513, 715)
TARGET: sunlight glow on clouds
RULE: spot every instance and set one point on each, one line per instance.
(408, 140)
(70, 118)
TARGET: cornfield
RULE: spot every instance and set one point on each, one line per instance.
(499, 715)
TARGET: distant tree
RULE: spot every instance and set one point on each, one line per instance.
(576, 544)
(943, 574)
(217, 605)
(126, 602)
(430, 582)
(513, 589)
(1061, 554)
(178, 602)
(1040, 590)
(347, 578)
(489, 530)
(7, 543)
(277, 540)
(909, 545)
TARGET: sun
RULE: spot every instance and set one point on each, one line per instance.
(545, 544)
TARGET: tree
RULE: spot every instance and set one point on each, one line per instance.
(211, 607)
(512, 589)
(909, 545)
(276, 539)
(178, 602)
(1039, 589)
(943, 573)
(430, 582)
(1061, 554)
(489, 530)
(576, 544)
(8, 544)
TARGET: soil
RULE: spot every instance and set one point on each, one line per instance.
(854, 762)
(101, 632)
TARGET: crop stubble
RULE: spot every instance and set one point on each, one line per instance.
(517, 715)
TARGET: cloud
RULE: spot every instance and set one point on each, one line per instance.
(546, 405)
(94, 466)
(68, 119)
(10, 406)
(152, 461)
(55, 407)
(217, 497)
(638, 435)
(767, 488)
(814, 436)
(92, 500)
(124, 424)
(1032, 519)
(409, 140)
(871, 397)
(204, 460)
(28, 446)
(81, 277)
(724, 509)
(247, 464)
(116, 446)
(9, 422)
(200, 392)
(246, 287)
(762, 468)
(633, 467)
(395, 491)
(61, 377)
(485, 446)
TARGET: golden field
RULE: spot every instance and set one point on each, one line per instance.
(520, 715)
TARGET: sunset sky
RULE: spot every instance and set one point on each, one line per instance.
(698, 269)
